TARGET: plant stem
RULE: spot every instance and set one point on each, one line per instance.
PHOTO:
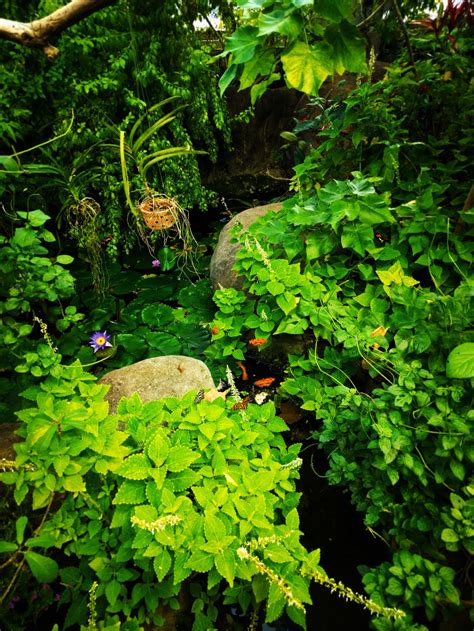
(396, 6)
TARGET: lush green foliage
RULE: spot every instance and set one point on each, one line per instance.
(302, 40)
(145, 56)
(166, 490)
(372, 281)
(192, 504)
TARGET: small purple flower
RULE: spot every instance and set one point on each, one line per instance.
(156, 263)
(99, 341)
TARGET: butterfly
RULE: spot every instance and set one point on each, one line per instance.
(199, 396)
(242, 405)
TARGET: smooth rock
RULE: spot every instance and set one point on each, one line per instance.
(157, 377)
(223, 258)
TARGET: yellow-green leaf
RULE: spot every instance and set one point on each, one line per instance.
(306, 67)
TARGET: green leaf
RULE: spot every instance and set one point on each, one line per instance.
(458, 469)
(7, 546)
(260, 65)
(24, 237)
(348, 47)
(41, 541)
(214, 528)
(134, 345)
(112, 591)
(157, 315)
(242, 44)
(74, 483)
(183, 480)
(396, 275)
(35, 218)
(130, 492)
(180, 457)
(200, 561)
(135, 467)
(227, 78)
(158, 448)
(449, 536)
(162, 343)
(358, 237)
(395, 588)
(44, 569)
(334, 10)
(287, 302)
(64, 259)
(276, 603)
(319, 244)
(460, 362)
(293, 519)
(20, 526)
(225, 564)
(279, 21)
(162, 563)
(307, 67)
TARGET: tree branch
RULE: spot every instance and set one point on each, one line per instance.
(37, 34)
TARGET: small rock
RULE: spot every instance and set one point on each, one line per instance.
(157, 377)
(223, 258)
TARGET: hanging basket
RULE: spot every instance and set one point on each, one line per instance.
(159, 213)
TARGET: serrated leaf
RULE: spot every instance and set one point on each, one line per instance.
(183, 480)
(162, 563)
(200, 561)
(293, 519)
(44, 569)
(158, 448)
(180, 570)
(135, 467)
(180, 457)
(130, 492)
(225, 564)
(214, 528)
(460, 362)
(74, 483)
(276, 603)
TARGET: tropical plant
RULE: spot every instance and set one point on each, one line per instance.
(161, 498)
(376, 298)
(302, 41)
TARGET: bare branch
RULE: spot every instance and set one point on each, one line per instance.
(37, 34)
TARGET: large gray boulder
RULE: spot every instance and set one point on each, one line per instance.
(223, 258)
(157, 377)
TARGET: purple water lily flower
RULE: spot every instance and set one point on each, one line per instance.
(156, 263)
(99, 341)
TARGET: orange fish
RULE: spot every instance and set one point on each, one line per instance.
(264, 383)
(245, 374)
(214, 330)
(259, 341)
